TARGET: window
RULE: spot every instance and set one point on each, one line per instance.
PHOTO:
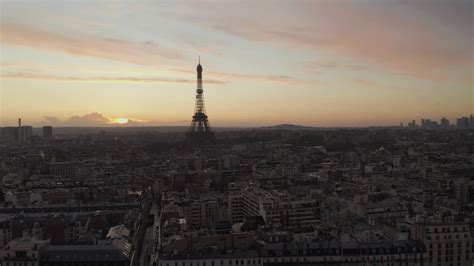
(20, 254)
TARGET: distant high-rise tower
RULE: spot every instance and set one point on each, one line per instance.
(444, 123)
(200, 131)
(47, 132)
(462, 123)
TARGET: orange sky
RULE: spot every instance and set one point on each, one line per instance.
(318, 63)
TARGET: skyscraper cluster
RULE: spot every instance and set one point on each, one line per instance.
(461, 123)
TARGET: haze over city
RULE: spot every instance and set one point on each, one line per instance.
(236, 133)
(314, 63)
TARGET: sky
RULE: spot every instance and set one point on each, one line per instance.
(315, 63)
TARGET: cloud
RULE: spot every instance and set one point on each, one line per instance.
(271, 78)
(51, 120)
(27, 71)
(369, 84)
(239, 76)
(404, 39)
(94, 119)
(144, 53)
(380, 86)
(21, 75)
(317, 67)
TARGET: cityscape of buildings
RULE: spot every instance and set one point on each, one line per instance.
(311, 133)
(463, 122)
(240, 197)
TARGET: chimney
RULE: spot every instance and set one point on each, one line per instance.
(19, 129)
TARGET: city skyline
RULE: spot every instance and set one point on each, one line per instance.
(312, 63)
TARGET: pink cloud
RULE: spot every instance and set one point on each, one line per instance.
(240, 76)
(387, 37)
(105, 48)
(128, 79)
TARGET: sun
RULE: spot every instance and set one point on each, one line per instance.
(121, 120)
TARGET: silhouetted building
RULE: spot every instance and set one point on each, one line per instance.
(11, 133)
(429, 124)
(47, 132)
(200, 131)
(462, 123)
(444, 123)
(426, 123)
(25, 133)
(412, 124)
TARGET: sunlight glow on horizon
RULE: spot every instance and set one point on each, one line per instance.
(120, 120)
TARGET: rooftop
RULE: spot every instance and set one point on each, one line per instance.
(84, 253)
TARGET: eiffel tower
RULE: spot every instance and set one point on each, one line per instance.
(200, 131)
